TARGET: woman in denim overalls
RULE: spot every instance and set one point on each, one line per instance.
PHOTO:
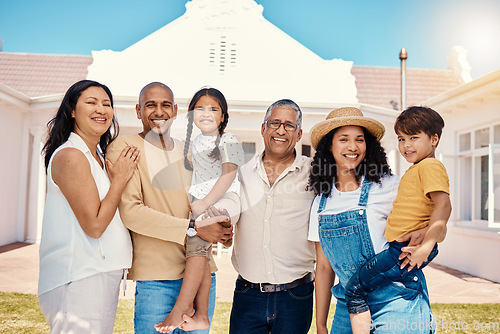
(355, 190)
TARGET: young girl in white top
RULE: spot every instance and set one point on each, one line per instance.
(216, 156)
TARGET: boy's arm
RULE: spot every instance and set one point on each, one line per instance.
(435, 232)
(218, 190)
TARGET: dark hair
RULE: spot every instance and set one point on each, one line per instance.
(323, 175)
(217, 95)
(60, 127)
(417, 119)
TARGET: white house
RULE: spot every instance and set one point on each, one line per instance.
(470, 149)
(231, 46)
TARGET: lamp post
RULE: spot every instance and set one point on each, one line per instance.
(403, 56)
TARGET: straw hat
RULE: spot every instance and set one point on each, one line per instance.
(342, 117)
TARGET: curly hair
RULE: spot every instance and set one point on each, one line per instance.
(61, 126)
(219, 97)
(323, 175)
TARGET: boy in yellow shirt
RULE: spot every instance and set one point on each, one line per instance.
(422, 201)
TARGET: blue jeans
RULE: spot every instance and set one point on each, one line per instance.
(155, 299)
(286, 312)
(379, 271)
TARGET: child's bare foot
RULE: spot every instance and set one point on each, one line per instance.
(195, 322)
(173, 320)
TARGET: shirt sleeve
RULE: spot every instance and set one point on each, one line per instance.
(434, 177)
(137, 216)
(313, 234)
(231, 150)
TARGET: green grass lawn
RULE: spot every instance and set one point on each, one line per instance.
(20, 313)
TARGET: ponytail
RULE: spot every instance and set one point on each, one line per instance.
(187, 163)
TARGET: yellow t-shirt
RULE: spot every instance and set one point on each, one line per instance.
(413, 206)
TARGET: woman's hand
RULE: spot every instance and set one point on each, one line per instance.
(321, 330)
(123, 169)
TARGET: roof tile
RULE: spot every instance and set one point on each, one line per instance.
(380, 86)
(42, 74)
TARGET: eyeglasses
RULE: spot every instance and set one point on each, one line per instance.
(289, 127)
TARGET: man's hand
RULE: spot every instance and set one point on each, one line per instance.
(213, 211)
(210, 231)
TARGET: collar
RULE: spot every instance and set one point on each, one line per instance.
(298, 162)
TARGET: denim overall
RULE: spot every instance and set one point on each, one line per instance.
(395, 308)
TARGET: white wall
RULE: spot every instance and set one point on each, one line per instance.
(471, 250)
(11, 191)
(470, 246)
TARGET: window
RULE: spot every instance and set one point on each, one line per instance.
(479, 175)
(464, 142)
(222, 54)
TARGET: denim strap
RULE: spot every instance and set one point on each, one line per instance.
(363, 199)
(322, 203)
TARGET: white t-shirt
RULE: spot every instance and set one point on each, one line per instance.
(378, 207)
(207, 170)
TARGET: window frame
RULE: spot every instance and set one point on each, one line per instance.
(473, 154)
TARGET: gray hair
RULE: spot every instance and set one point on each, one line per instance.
(285, 103)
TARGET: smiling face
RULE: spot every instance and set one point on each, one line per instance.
(348, 148)
(93, 113)
(417, 147)
(207, 115)
(156, 109)
(279, 142)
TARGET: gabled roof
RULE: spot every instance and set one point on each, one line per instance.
(45, 74)
(231, 46)
(42, 74)
(380, 85)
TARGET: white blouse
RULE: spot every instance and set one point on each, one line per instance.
(67, 253)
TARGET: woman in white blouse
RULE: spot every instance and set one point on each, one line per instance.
(85, 249)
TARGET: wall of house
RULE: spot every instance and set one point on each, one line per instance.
(12, 181)
(470, 246)
(36, 128)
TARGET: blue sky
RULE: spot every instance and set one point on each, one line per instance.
(367, 32)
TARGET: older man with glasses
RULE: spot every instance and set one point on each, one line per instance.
(274, 259)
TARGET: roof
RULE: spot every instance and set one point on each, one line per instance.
(380, 85)
(45, 74)
(42, 74)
